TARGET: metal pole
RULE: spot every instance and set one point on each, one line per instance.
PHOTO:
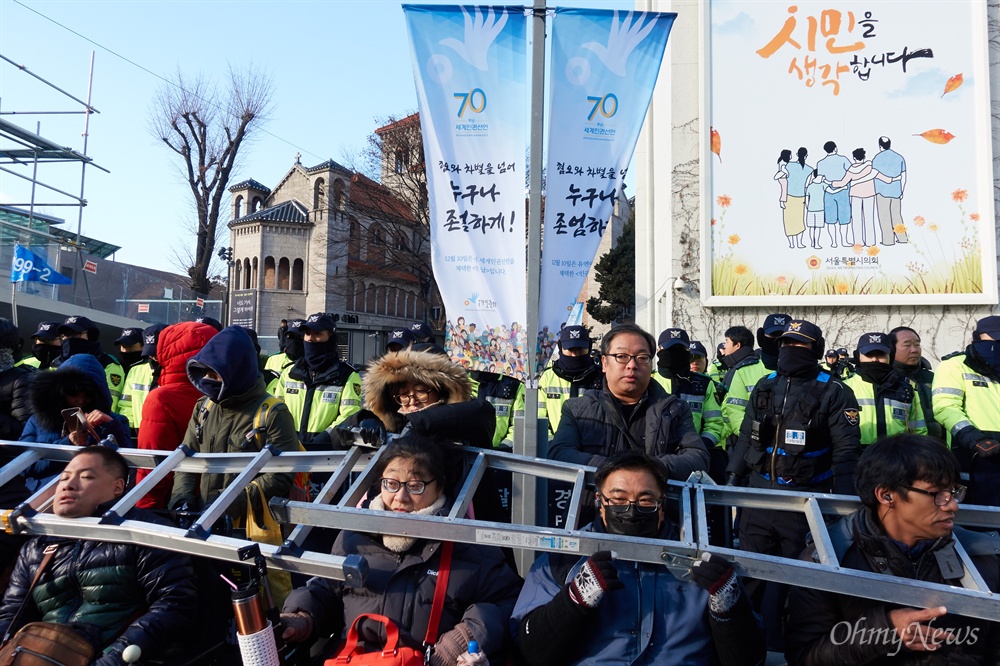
(525, 487)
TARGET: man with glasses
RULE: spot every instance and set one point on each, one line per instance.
(629, 413)
(602, 610)
(909, 488)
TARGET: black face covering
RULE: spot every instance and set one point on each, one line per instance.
(874, 371)
(45, 353)
(989, 351)
(632, 523)
(575, 365)
(74, 346)
(769, 346)
(128, 359)
(677, 359)
(294, 347)
(795, 361)
(320, 355)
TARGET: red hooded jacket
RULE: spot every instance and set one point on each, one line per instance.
(168, 408)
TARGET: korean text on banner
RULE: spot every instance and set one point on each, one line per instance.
(30, 267)
(469, 65)
(603, 69)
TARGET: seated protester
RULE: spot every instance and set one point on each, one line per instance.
(600, 610)
(909, 488)
(167, 411)
(114, 594)
(225, 372)
(402, 571)
(79, 382)
(631, 412)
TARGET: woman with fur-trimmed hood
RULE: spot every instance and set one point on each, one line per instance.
(426, 392)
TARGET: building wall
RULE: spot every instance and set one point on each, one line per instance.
(668, 216)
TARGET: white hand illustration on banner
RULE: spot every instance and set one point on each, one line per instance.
(622, 40)
(479, 36)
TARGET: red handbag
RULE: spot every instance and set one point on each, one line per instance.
(393, 654)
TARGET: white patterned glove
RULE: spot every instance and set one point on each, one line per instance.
(597, 575)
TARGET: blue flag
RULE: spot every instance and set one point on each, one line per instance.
(29, 267)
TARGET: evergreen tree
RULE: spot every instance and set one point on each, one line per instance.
(615, 302)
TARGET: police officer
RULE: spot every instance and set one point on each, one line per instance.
(910, 363)
(141, 378)
(569, 376)
(673, 373)
(888, 400)
(80, 336)
(716, 368)
(967, 404)
(422, 332)
(290, 352)
(742, 376)
(699, 357)
(830, 360)
(506, 394)
(320, 390)
(399, 339)
(129, 345)
(800, 433)
(46, 346)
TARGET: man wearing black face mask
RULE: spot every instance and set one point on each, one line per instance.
(602, 610)
(571, 375)
(321, 391)
(141, 378)
(673, 373)
(888, 400)
(800, 433)
(46, 346)
(748, 368)
(290, 352)
(966, 396)
(80, 336)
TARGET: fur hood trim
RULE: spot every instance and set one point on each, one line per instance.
(393, 369)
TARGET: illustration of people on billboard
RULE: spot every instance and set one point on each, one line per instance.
(837, 204)
(889, 195)
(815, 220)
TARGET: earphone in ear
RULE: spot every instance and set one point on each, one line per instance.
(887, 497)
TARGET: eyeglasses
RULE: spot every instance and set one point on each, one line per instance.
(621, 505)
(412, 487)
(418, 395)
(942, 497)
(623, 359)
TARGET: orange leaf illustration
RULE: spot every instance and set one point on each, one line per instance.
(717, 144)
(954, 83)
(938, 136)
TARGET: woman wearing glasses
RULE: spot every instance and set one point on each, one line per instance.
(909, 486)
(403, 572)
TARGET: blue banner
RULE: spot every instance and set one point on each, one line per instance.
(470, 68)
(29, 267)
(603, 69)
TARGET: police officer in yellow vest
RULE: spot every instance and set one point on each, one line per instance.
(571, 375)
(747, 366)
(140, 378)
(699, 357)
(80, 336)
(888, 400)
(46, 347)
(321, 391)
(966, 399)
(673, 373)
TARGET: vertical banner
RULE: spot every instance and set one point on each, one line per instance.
(850, 155)
(603, 69)
(469, 64)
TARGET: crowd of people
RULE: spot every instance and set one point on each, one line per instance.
(775, 410)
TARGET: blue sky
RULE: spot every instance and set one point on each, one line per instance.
(336, 66)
